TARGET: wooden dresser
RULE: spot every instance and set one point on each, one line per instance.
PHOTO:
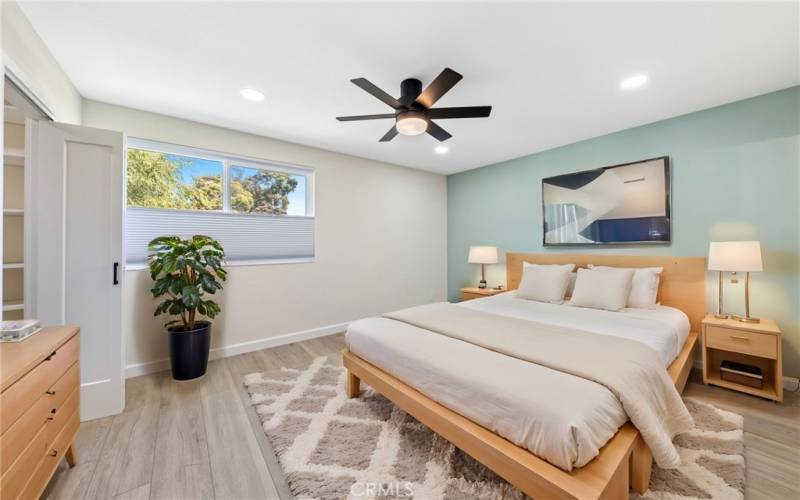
(39, 409)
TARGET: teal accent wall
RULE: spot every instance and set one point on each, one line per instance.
(735, 176)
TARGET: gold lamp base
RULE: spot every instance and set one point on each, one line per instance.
(747, 319)
(719, 314)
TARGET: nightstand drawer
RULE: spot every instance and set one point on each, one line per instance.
(470, 296)
(755, 344)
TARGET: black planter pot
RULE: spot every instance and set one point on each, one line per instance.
(188, 350)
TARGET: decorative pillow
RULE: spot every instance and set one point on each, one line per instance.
(602, 288)
(544, 283)
(644, 288)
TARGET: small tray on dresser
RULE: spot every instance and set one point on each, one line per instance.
(18, 330)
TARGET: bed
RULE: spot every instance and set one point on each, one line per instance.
(568, 436)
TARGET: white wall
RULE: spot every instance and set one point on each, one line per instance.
(2, 160)
(380, 241)
(27, 57)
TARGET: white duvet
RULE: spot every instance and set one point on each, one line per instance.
(559, 417)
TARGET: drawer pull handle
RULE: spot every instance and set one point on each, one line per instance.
(48, 358)
(51, 418)
(53, 453)
(739, 337)
(51, 392)
(53, 410)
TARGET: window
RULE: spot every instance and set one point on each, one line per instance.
(158, 179)
(260, 211)
(255, 190)
(163, 180)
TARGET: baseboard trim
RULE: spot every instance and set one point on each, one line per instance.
(100, 398)
(138, 369)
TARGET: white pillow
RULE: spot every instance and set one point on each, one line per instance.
(644, 288)
(602, 288)
(544, 283)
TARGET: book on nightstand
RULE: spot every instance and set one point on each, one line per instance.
(741, 373)
(18, 330)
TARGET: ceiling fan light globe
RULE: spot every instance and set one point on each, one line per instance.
(411, 123)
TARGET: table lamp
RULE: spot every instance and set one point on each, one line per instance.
(735, 256)
(482, 256)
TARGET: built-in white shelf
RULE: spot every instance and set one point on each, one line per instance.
(13, 211)
(13, 114)
(14, 265)
(13, 156)
(13, 305)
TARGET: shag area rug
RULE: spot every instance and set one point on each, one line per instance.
(332, 447)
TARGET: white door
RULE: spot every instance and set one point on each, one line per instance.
(75, 201)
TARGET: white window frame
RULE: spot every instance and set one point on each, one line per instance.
(228, 161)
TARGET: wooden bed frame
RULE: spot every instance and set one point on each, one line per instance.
(624, 462)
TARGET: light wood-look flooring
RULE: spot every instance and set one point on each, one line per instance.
(199, 439)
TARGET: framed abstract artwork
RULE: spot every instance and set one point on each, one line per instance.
(615, 205)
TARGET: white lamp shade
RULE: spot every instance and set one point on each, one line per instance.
(482, 255)
(741, 256)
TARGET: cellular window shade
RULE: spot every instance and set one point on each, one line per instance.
(245, 237)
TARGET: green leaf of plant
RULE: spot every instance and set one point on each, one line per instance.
(212, 309)
(176, 307)
(190, 297)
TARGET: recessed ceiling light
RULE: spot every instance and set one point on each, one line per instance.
(633, 82)
(252, 95)
(442, 149)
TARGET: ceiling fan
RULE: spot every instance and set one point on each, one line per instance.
(413, 112)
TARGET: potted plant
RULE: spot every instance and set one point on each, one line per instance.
(184, 271)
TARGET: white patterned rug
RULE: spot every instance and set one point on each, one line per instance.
(332, 447)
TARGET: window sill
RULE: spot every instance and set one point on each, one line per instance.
(240, 263)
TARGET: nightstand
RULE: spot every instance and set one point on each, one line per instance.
(470, 293)
(755, 344)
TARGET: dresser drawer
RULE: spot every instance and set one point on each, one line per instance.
(41, 476)
(755, 344)
(17, 476)
(17, 437)
(24, 393)
(58, 419)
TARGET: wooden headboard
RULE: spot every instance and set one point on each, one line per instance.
(683, 281)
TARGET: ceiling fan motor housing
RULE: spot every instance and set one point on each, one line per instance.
(410, 89)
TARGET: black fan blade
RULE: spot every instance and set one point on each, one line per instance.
(438, 132)
(438, 87)
(389, 135)
(465, 112)
(369, 87)
(364, 117)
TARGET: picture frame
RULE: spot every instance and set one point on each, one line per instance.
(623, 204)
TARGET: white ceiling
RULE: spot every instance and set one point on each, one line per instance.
(551, 71)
